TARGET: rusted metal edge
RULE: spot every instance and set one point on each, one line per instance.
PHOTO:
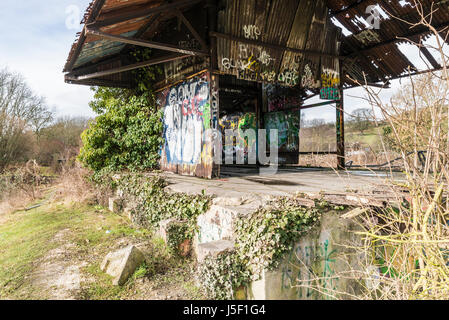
(143, 13)
(95, 11)
(142, 64)
(273, 46)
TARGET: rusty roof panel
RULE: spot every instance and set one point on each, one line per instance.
(301, 24)
(378, 47)
(289, 23)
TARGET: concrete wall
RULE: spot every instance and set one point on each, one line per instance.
(321, 255)
(188, 114)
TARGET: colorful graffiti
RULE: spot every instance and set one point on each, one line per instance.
(256, 63)
(240, 123)
(330, 81)
(308, 80)
(281, 98)
(187, 115)
(287, 124)
(308, 267)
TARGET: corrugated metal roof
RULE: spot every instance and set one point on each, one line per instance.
(298, 24)
(379, 55)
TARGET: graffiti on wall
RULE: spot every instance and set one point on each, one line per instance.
(308, 79)
(330, 81)
(240, 123)
(287, 124)
(256, 63)
(281, 98)
(187, 114)
(309, 267)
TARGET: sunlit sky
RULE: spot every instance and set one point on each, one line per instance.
(36, 36)
(35, 41)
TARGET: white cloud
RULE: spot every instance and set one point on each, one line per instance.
(35, 42)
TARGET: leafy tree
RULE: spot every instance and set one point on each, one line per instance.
(60, 140)
(411, 114)
(361, 119)
(126, 135)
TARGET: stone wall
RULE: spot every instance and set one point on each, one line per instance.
(317, 267)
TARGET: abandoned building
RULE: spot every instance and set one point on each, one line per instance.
(244, 64)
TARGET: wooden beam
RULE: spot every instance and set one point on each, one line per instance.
(101, 83)
(354, 5)
(143, 13)
(144, 29)
(429, 57)
(146, 43)
(192, 30)
(272, 46)
(125, 68)
(79, 45)
(340, 126)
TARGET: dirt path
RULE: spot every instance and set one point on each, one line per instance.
(57, 274)
(55, 251)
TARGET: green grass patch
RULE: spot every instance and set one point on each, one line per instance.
(26, 237)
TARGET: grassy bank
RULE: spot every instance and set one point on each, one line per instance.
(39, 245)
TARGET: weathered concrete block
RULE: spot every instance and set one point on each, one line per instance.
(164, 225)
(228, 201)
(185, 246)
(122, 264)
(319, 266)
(115, 204)
(213, 248)
(218, 223)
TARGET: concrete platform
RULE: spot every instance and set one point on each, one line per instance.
(247, 183)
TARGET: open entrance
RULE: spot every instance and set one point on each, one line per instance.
(239, 121)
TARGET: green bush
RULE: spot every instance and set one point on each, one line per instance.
(126, 135)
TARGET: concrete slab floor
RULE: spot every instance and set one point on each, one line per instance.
(247, 183)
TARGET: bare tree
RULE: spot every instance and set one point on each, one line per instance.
(361, 119)
(21, 112)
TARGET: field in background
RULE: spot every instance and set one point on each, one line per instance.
(362, 149)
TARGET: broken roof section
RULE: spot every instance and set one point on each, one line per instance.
(375, 51)
(293, 34)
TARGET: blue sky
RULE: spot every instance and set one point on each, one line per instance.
(35, 41)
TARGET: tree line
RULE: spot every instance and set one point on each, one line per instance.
(30, 129)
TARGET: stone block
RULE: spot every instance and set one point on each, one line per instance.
(213, 248)
(121, 264)
(115, 204)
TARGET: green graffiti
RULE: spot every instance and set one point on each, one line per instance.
(287, 124)
(207, 116)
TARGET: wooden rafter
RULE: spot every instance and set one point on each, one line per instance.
(134, 66)
(146, 43)
(143, 13)
(192, 30)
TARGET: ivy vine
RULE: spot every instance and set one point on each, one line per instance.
(221, 275)
(262, 239)
(152, 204)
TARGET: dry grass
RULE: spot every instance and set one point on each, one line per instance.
(73, 186)
(20, 186)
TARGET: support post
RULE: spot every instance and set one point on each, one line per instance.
(340, 124)
(215, 114)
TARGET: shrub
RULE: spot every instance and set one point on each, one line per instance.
(128, 135)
